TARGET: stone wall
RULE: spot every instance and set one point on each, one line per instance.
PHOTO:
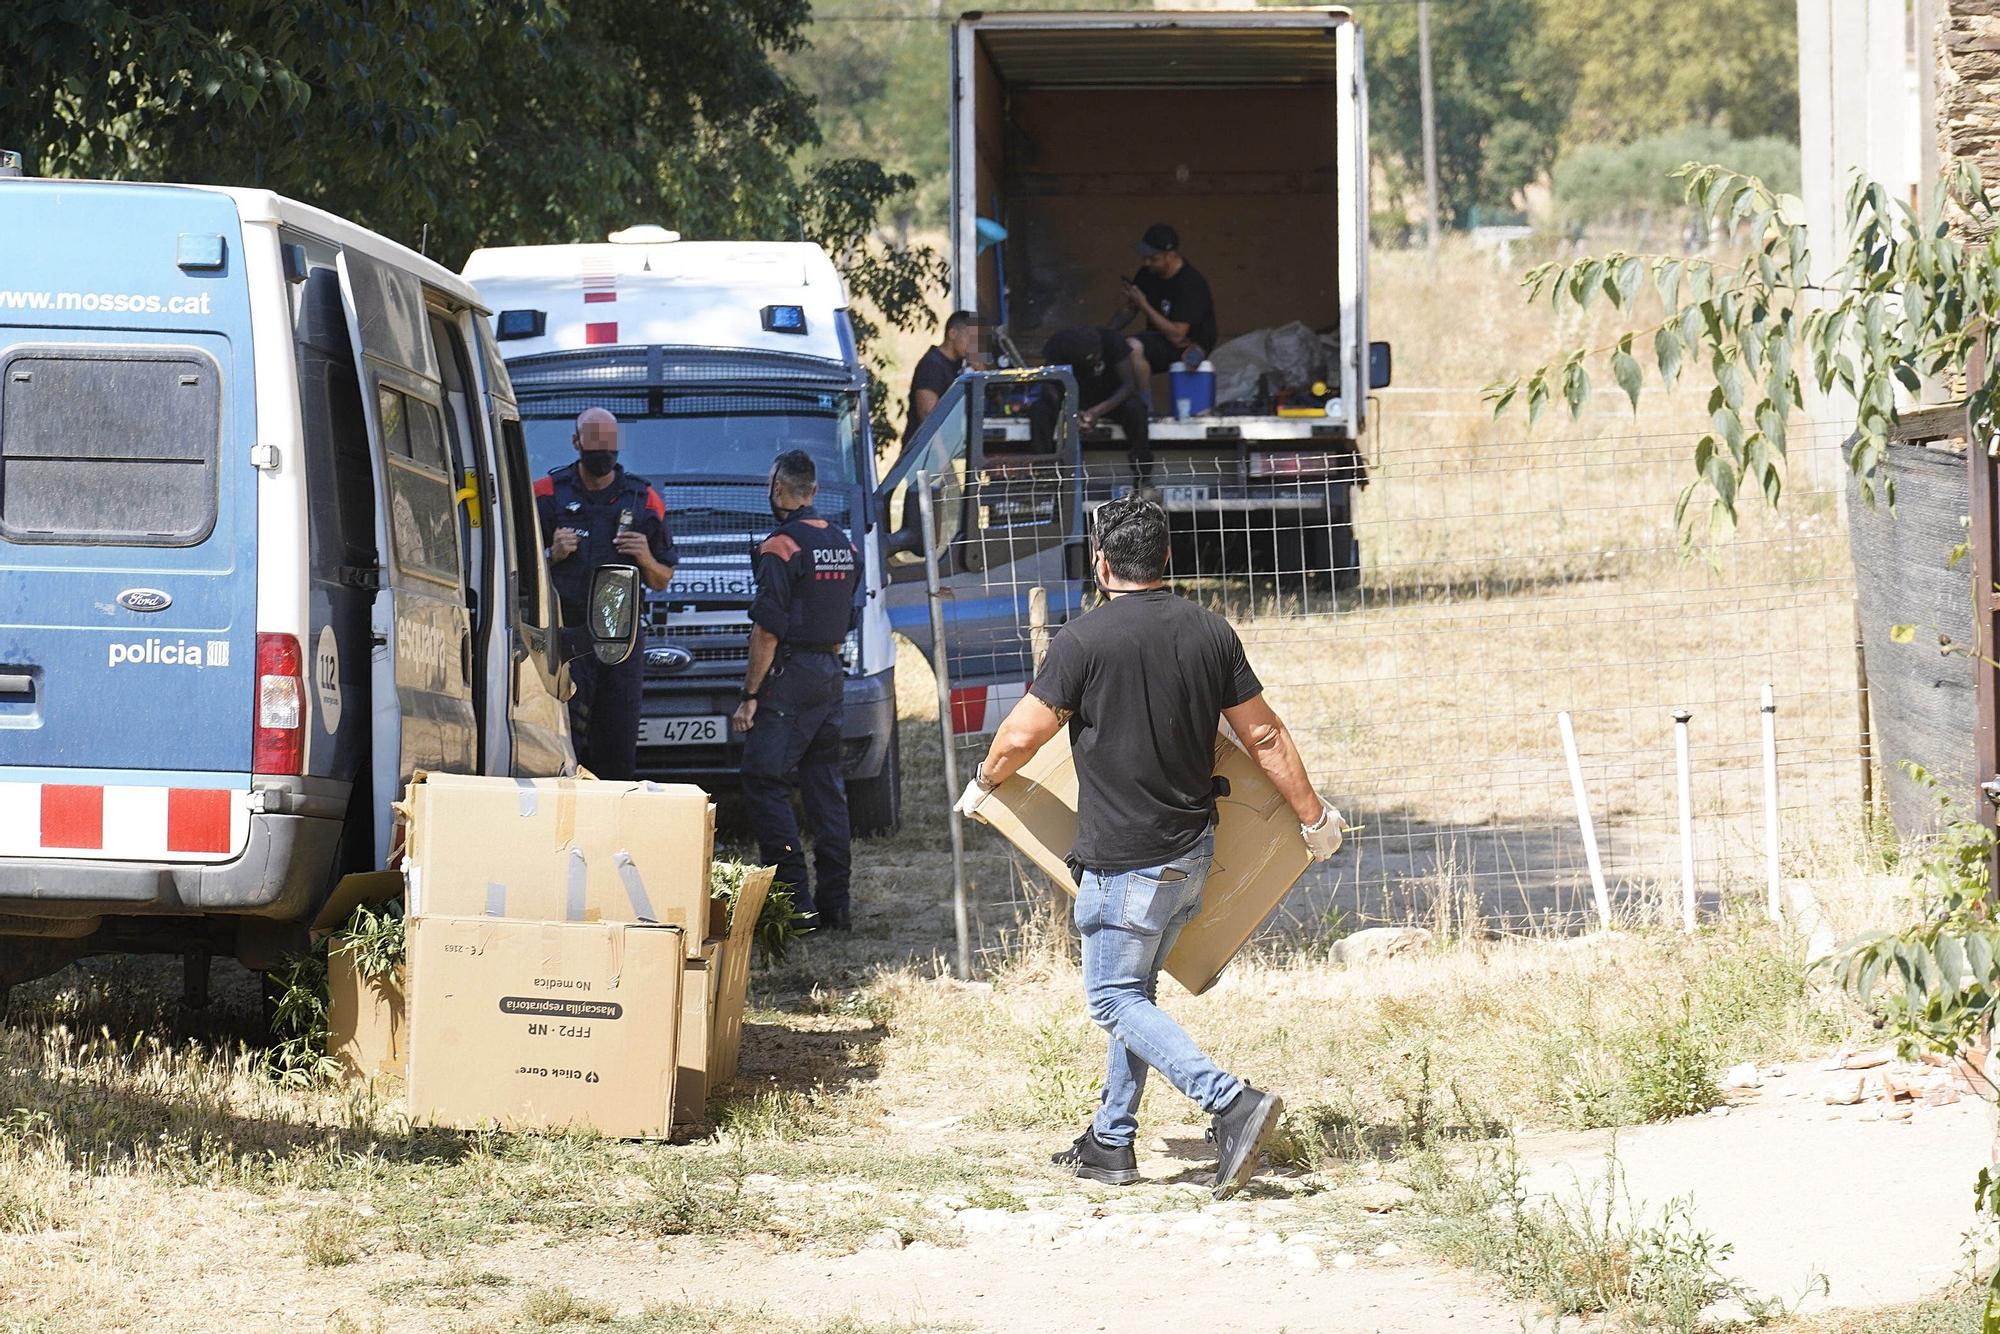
(1968, 85)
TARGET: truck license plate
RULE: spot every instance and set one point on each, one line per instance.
(1174, 495)
(705, 731)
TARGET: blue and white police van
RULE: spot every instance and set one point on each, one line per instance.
(715, 356)
(267, 547)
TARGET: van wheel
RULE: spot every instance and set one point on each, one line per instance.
(875, 805)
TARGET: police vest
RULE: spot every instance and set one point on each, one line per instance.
(808, 573)
(629, 502)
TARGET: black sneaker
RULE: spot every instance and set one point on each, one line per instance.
(1240, 1130)
(1112, 1164)
(836, 919)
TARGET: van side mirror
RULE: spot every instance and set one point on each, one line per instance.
(1381, 365)
(906, 541)
(612, 615)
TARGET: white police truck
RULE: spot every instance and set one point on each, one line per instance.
(716, 356)
(267, 547)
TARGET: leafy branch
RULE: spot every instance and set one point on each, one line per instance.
(1910, 301)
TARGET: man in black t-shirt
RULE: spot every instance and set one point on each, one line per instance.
(937, 368)
(1142, 682)
(1110, 385)
(1172, 297)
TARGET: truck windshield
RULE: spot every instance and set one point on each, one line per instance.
(729, 434)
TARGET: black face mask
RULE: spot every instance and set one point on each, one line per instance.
(599, 462)
(781, 513)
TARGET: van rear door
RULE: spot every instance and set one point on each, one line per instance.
(127, 524)
(422, 623)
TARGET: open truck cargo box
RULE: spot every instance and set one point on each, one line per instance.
(1259, 852)
(1257, 155)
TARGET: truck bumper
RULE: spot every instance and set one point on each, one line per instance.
(282, 872)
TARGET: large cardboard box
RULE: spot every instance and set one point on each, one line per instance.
(544, 1025)
(1259, 852)
(561, 850)
(364, 1021)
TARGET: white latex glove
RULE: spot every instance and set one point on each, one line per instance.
(1323, 839)
(970, 799)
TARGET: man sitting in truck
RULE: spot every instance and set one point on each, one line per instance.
(1172, 297)
(937, 368)
(1111, 383)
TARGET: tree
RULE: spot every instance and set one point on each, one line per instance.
(1645, 68)
(1501, 99)
(1910, 300)
(457, 123)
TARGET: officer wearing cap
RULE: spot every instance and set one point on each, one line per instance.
(596, 513)
(808, 576)
(1173, 299)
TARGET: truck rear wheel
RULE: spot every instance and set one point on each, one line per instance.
(875, 805)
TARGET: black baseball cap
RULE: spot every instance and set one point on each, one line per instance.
(1158, 237)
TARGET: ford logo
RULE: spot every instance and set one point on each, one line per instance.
(669, 658)
(144, 599)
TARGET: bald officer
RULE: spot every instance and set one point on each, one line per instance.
(595, 513)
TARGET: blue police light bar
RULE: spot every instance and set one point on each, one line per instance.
(199, 251)
(521, 324)
(785, 319)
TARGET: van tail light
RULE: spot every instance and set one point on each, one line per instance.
(279, 745)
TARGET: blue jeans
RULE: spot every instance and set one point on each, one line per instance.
(1129, 921)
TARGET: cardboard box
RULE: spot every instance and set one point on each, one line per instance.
(561, 850)
(1259, 851)
(544, 1025)
(364, 1021)
(697, 1038)
(732, 987)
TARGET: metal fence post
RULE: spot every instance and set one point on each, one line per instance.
(940, 666)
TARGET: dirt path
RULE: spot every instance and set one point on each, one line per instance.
(1800, 1188)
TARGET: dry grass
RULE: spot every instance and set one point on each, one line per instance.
(1508, 578)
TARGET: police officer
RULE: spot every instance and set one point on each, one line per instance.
(808, 574)
(596, 513)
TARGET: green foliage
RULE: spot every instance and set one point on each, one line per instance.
(1934, 982)
(1578, 1255)
(1672, 1072)
(1502, 97)
(1641, 68)
(779, 921)
(838, 207)
(1598, 181)
(375, 940)
(452, 124)
(297, 1055)
(1907, 302)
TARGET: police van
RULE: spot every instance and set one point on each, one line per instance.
(716, 356)
(267, 547)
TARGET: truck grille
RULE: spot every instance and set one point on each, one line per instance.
(717, 649)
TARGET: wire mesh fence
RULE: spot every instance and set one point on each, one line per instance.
(1421, 617)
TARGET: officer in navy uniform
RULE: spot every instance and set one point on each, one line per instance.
(596, 513)
(808, 577)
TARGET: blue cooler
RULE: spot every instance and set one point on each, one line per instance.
(1193, 392)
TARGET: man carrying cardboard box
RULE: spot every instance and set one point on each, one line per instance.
(1142, 682)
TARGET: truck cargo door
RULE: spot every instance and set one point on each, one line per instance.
(421, 628)
(1351, 224)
